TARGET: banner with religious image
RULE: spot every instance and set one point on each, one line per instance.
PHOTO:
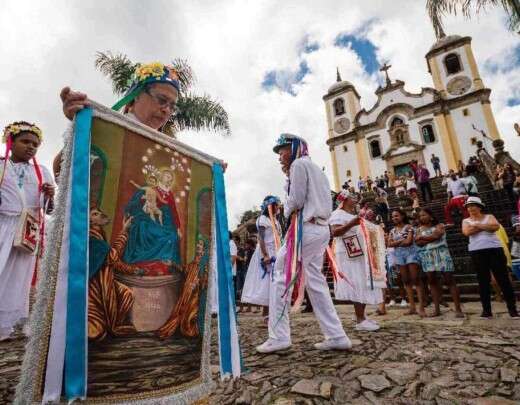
(375, 258)
(123, 311)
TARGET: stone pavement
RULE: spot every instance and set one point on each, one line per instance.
(409, 361)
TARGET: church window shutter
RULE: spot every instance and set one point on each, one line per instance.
(375, 148)
(339, 106)
(428, 134)
(452, 63)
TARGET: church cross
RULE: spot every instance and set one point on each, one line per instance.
(385, 68)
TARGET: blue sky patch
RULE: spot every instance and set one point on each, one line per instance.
(308, 46)
(285, 79)
(494, 67)
(364, 48)
(514, 101)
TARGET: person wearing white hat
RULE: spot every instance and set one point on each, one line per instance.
(350, 258)
(308, 195)
(487, 255)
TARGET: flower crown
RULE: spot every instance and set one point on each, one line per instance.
(21, 126)
(154, 71)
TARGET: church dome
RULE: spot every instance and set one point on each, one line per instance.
(444, 41)
(344, 84)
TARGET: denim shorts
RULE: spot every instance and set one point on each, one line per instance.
(406, 255)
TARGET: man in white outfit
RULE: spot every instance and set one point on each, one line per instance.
(308, 190)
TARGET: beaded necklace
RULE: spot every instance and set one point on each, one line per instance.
(19, 170)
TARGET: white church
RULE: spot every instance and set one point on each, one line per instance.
(446, 120)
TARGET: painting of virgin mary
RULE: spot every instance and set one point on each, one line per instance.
(154, 240)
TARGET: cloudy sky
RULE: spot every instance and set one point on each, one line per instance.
(268, 65)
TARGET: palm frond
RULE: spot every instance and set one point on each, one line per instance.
(437, 9)
(118, 68)
(186, 75)
(200, 113)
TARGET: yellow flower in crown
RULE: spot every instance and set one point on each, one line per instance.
(154, 69)
(21, 126)
(154, 72)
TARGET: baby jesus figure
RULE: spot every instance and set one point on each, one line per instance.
(150, 202)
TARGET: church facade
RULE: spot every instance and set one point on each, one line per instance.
(446, 120)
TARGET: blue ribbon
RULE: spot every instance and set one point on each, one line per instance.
(75, 377)
(226, 293)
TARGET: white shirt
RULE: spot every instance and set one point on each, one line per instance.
(310, 190)
(457, 188)
(233, 251)
(471, 183)
(482, 239)
(11, 199)
(341, 217)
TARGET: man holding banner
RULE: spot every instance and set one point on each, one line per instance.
(298, 264)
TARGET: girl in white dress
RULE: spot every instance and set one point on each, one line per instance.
(350, 259)
(23, 187)
(260, 271)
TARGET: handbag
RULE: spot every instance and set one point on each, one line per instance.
(27, 233)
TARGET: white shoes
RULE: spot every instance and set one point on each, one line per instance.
(403, 304)
(270, 346)
(367, 326)
(342, 343)
(391, 303)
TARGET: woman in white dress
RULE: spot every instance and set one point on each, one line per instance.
(23, 186)
(350, 259)
(260, 271)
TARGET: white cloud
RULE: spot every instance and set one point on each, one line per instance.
(231, 45)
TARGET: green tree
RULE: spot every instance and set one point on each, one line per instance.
(193, 112)
(249, 214)
(439, 8)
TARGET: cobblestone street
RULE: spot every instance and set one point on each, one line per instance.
(409, 361)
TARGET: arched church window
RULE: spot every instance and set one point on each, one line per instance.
(375, 148)
(396, 121)
(452, 63)
(428, 134)
(339, 106)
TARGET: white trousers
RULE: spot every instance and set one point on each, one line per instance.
(314, 243)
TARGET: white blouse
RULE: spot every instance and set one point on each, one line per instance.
(24, 175)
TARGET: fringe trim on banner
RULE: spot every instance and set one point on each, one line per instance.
(40, 321)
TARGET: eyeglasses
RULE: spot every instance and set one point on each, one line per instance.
(163, 101)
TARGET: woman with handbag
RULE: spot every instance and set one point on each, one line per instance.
(25, 188)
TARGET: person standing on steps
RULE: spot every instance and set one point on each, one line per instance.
(436, 163)
(487, 256)
(436, 259)
(401, 238)
(423, 178)
(457, 195)
(308, 198)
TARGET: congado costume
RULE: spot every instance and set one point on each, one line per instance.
(259, 277)
(350, 255)
(309, 206)
(20, 191)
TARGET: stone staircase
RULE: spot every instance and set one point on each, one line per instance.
(496, 202)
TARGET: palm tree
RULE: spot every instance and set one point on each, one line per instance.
(193, 112)
(438, 8)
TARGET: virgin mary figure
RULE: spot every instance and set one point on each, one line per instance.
(153, 245)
